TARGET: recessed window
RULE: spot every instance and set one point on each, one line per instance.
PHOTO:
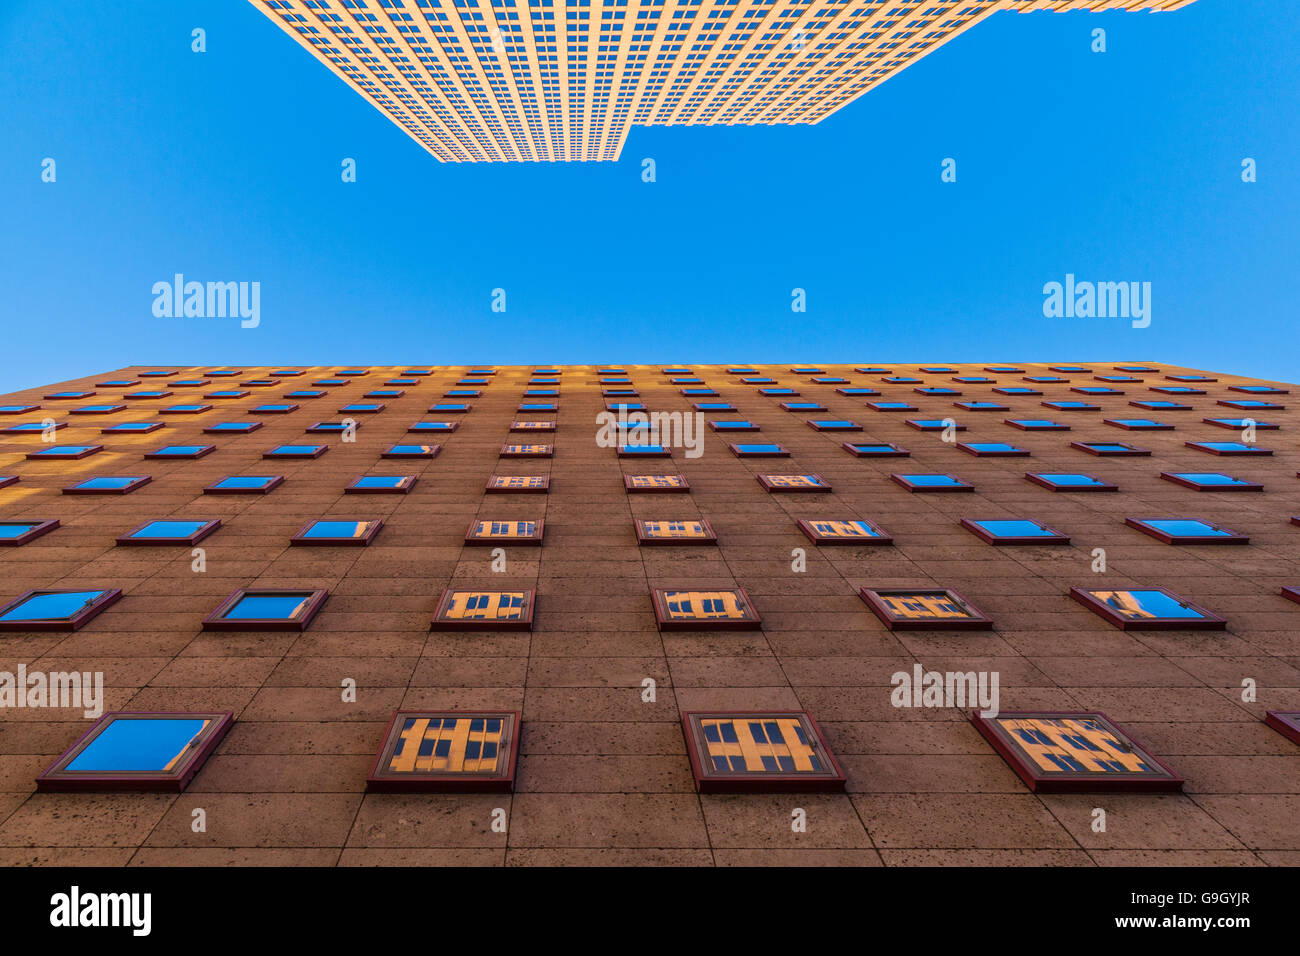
(1146, 609)
(244, 485)
(891, 406)
(934, 424)
(402, 450)
(843, 531)
(807, 483)
(1138, 424)
(66, 452)
(306, 393)
(759, 752)
(733, 425)
(283, 409)
(1071, 406)
(876, 449)
(1162, 406)
(362, 408)
(49, 610)
(527, 451)
(331, 427)
(381, 484)
(16, 533)
(1248, 405)
(229, 393)
(643, 451)
(1012, 531)
(181, 451)
(447, 751)
(296, 451)
(170, 532)
(1017, 391)
(915, 483)
(138, 751)
(261, 609)
(1285, 723)
(655, 484)
(803, 406)
(521, 484)
(487, 532)
(1228, 448)
(132, 428)
(758, 450)
(17, 409)
(468, 610)
(1210, 481)
(1055, 481)
(992, 449)
(1114, 449)
(1238, 424)
(333, 531)
(856, 392)
(450, 408)
(1186, 531)
(1036, 424)
(923, 609)
(981, 406)
(688, 610)
(833, 425)
(106, 485)
(96, 409)
(1083, 752)
(680, 531)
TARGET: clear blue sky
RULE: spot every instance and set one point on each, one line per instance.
(225, 166)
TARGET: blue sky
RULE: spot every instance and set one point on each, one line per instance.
(1122, 166)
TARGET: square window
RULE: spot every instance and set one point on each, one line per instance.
(319, 428)
(655, 484)
(62, 452)
(27, 428)
(381, 484)
(171, 532)
(181, 451)
(733, 425)
(553, 392)
(96, 410)
(1176, 390)
(1013, 531)
(306, 393)
(804, 483)
(476, 393)
(191, 383)
(777, 392)
(1017, 391)
(433, 426)
(1186, 531)
(551, 407)
(65, 396)
(643, 451)
(1162, 406)
(1096, 390)
(1286, 723)
(397, 381)
(934, 424)
(915, 483)
(1259, 389)
(873, 370)
(132, 750)
(491, 533)
(992, 449)
(698, 392)
(225, 373)
(1210, 481)
(151, 393)
(336, 531)
(1146, 609)
(742, 371)
(1135, 368)
(842, 531)
(132, 428)
(105, 485)
(296, 451)
(412, 451)
(939, 392)
(260, 609)
(1070, 482)
(16, 533)
(244, 485)
(1228, 448)
(1078, 752)
(937, 370)
(832, 380)
(468, 610)
(1071, 406)
(1239, 424)
(713, 407)
(185, 409)
(759, 752)
(891, 406)
(1138, 424)
(362, 408)
(973, 380)
(1004, 370)
(158, 373)
(17, 409)
(532, 425)
(926, 609)
(1190, 378)
(450, 408)
(982, 406)
(833, 425)
(526, 451)
(1112, 449)
(7, 480)
(520, 484)
(808, 370)
(118, 383)
(323, 382)
(878, 449)
(758, 450)
(758, 381)
(1044, 379)
(1248, 405)
(447, 752)
(286, 372)
(50, 610)
(689, 610)
(1036, 424)
(679, 531)
(281, 409)
(229, 393)
(1069, 369)
(803, 406)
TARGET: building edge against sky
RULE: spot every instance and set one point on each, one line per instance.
(564, 80)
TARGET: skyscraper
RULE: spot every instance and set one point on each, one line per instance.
(548, 80)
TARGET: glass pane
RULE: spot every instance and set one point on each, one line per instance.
(336, 529)
(931, 480)
(169, 529)
(58, 606)
(135, 744)
(15, 530)
(1180, 527)
(106, 482)
(1015, 529)
(281, 607)
(1136, 605)
(243, 481)
(380, 481)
